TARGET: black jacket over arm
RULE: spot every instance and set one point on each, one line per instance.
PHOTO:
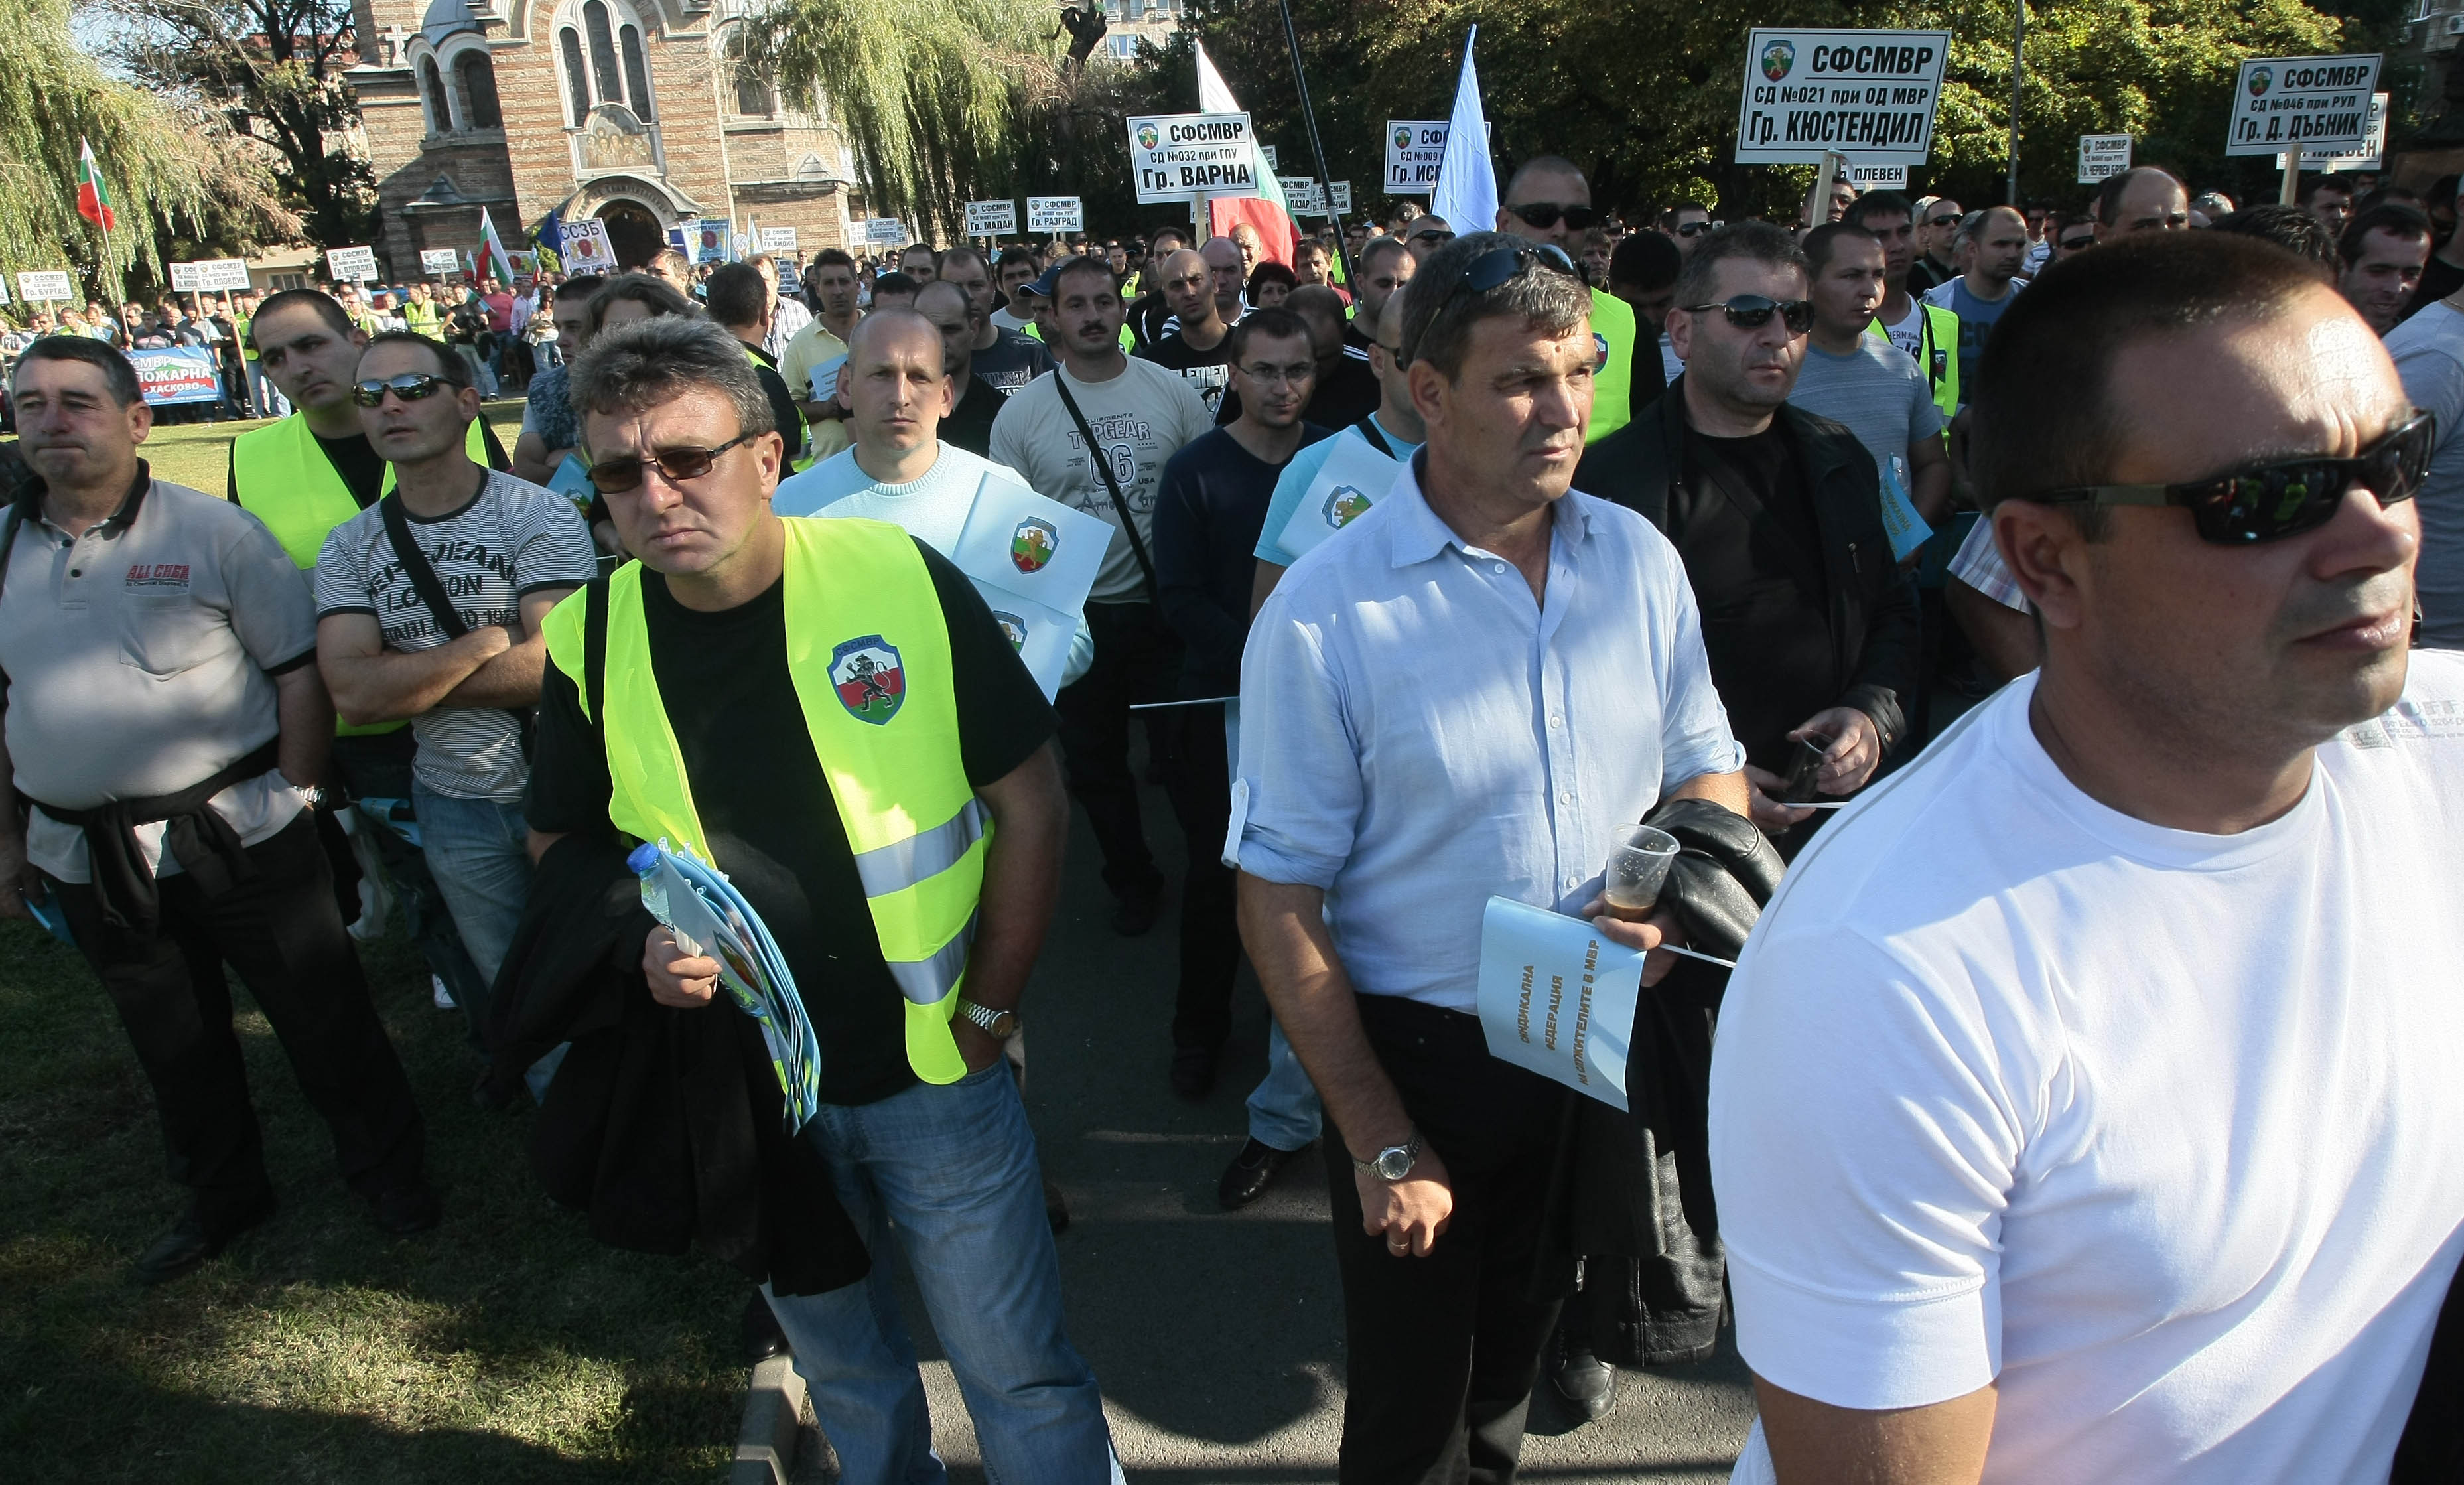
(1874, 618)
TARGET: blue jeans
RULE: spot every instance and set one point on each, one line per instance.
(954, 1168)
(1284, 1110)
(479, 851)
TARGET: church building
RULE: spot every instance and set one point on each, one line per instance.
(624, 110)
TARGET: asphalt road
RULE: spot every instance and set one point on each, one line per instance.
(1218, 1337)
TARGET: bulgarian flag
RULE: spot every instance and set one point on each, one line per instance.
(94, 198)
(1266, 208)
(493, 248)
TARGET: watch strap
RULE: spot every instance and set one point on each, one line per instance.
(1411, 1149)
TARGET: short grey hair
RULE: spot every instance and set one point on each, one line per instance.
(631, 367)
(1438, 322)
(1753, 242)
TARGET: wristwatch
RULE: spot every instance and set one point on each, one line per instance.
(999, 1025)
(1393, 1163)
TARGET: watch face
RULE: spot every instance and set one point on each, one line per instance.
(1393, 1163)
(1004, 1025)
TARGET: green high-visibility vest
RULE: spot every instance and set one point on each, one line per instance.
(423, 318)
(1613, 384)
(869, 655)
(1938, 357)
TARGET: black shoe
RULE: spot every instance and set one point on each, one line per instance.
(407, 1210)
(1136, 912)
(1192, 1072)
(1587, 1382)
(1056, 1208)
(191, 1242)
(759, 1331)
(1250, 1173)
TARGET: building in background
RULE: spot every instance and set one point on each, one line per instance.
(624, 110)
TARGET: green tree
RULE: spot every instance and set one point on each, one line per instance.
(176, 181)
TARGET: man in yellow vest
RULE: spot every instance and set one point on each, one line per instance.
(1548, 202)
(1927, 332)
(303, 476)
(827, 711)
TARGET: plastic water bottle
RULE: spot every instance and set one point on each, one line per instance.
(645, 863)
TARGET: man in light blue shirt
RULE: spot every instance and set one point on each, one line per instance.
(1466, 694)
(1394, 430)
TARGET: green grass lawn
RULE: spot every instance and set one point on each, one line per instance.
(504, 1346)
(197, 454)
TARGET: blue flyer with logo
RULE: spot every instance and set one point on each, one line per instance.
(1354, 478)
(1042, 550)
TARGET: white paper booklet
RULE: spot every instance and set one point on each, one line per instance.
(1040, 636)
(1354, 477)
(1042, 550)
(1558, 998)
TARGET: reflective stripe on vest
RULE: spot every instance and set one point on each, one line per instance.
(918, 832)
(1612, 385)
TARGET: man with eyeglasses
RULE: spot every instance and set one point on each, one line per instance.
(1547, 201)
(2144, 198)
(1937, 234)
(428, 605)
(2071, 233)
(1991, 245)
(1209, 511)
(164, 736)
(1813, 638)
(827, 711)
(2086, 1106)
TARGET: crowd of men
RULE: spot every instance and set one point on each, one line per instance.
(2083, 1101)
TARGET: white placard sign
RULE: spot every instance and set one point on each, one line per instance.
(1866, 176)
(4, 290)
(588, 248)
(184, 277)
(1269, 151)
(2371, 155)
(1175, 157)
(1055, 214)
(1558, 996)
(1037, 548)
(221, 275)
(1302, 194)
(2313, 103)
(777, 239)
(1414, 147)
(2102, 155)
(884, 230)
(1341, 192)
(444, 260)
(1867, 93)
(360, 264)
(45, 286)
(991, 218)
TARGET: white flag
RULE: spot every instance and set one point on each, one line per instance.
(1466, 188)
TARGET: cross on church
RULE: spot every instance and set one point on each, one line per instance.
(389, 46)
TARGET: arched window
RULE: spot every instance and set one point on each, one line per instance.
(609, 84)
(431, 95)
(752, 94)
(576, 83)
(477, 75)
(637, 76)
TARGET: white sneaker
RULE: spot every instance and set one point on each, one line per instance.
(443, 997)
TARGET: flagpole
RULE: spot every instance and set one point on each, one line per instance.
(1308, 114)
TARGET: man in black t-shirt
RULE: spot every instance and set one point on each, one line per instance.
(969, 423)
(951, 1166)
(1200, 344)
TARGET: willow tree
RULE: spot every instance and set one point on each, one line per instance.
(174, 176)
(935, 97)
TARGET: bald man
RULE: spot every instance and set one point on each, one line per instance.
(2147, 199)
(1230, 266)
(1197, 340)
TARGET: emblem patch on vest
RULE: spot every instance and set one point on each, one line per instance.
(1032, 544)
(1600, 351)
(870, 680)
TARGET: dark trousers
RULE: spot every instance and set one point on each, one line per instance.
(1441, 1352)
(280, 930)
(1137, 659)
(1210, 934)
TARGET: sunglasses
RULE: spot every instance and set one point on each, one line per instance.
(616, 476)
(2075, 244)
(1432, 234)
(1501, 266)
(1694, 229)
(410, 386)
(1753, 311)
(2283, 497)
(1545, 215)
(1942, 221)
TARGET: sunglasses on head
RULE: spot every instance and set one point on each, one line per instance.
(616, 476)
(2280, 497)
(1753, 311)
(410, 386)
(1499, 266)
(1545, 214)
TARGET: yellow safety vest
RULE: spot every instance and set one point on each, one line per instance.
(1938, 357)
(422, 317)
(286, 481)
(1612, 385)
(869, 653)
(800, 457)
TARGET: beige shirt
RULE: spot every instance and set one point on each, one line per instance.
(139, 658)
(810, 347)
(1140, 419)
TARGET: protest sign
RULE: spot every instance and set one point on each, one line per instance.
(714, 237)
(1175, 157)
(1268, 151)
(991, 218)
(356, 263)
(884, 230)
(1055, 214)
(1867, 93)
(45, 286)
(1414, 147)
(777, 239)
(2320, 102)
(211, 276)
(444, 260)
(1302, 194)
(1557, 997)
(2102, 155)
(1867, 177)
(588, 249)
(178, 374)
(1354, 477)
(1038, 548)
(1339, 192)
(2370, 155)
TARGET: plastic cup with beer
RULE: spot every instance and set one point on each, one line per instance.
(1638, 863)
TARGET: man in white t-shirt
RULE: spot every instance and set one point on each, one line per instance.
(2085, 1104)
